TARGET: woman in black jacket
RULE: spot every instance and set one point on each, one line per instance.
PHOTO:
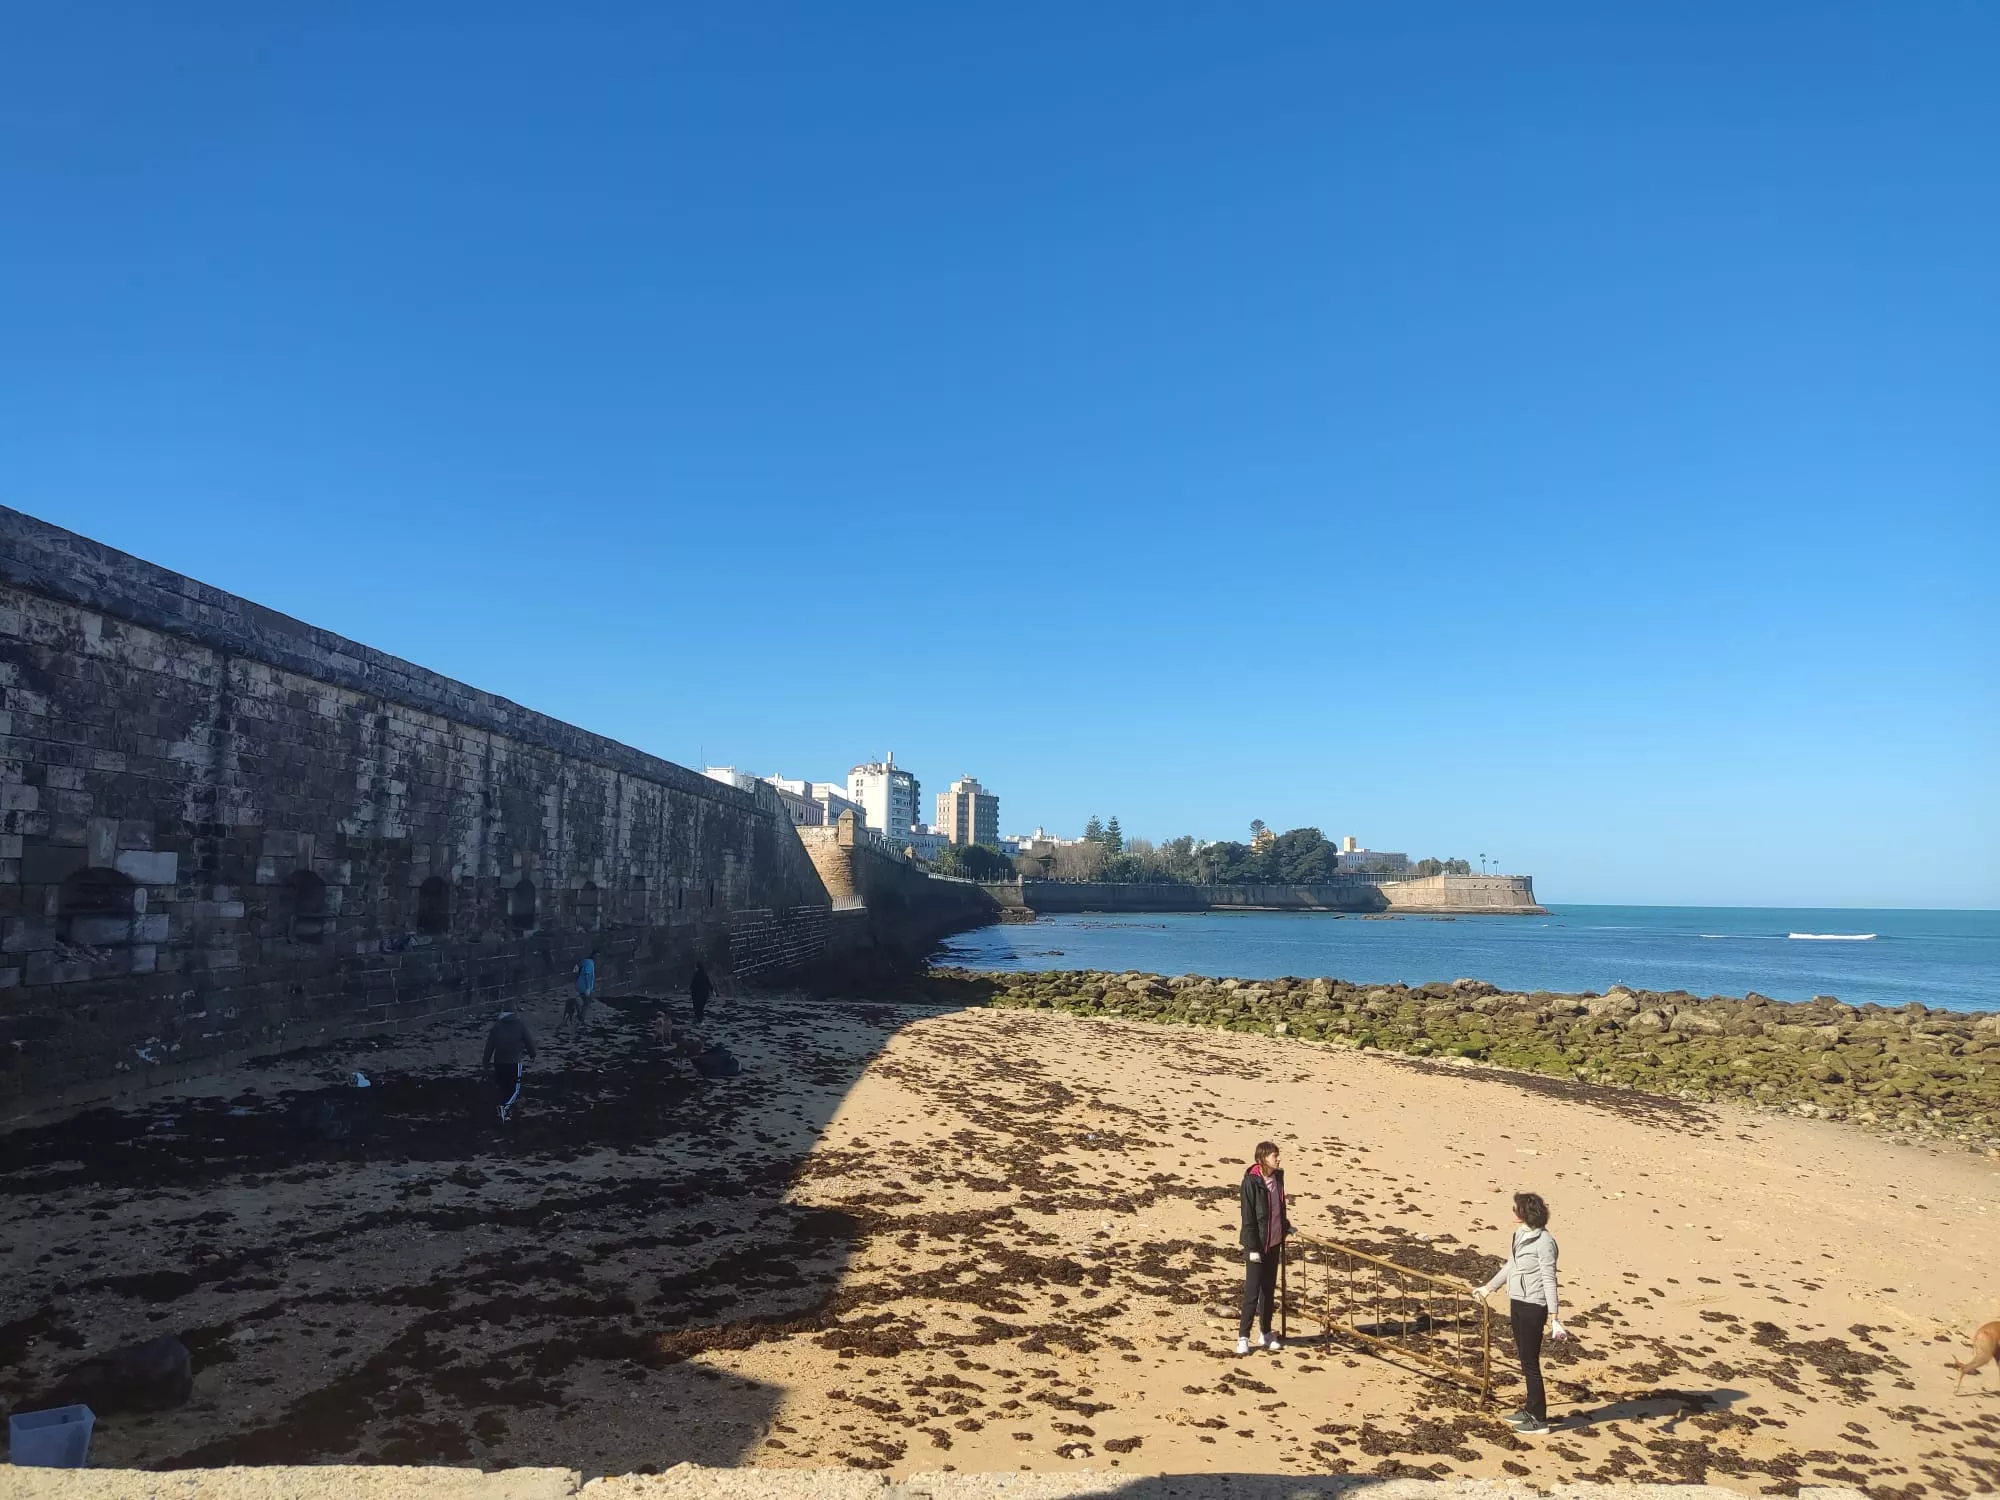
(1265, 1226)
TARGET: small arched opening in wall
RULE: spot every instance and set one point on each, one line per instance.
(521, 906)
(711, 893)
(434, 906)
(635, 901)
(302, 908)
(589, 907)
(96, 908)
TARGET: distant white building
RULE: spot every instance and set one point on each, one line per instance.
(928, 843)
(1359, 861)
(743, 781)
(833, 800)
(811, 804)
(886, 795)
(1041, 841)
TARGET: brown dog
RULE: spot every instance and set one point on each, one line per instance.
(1984, 1343)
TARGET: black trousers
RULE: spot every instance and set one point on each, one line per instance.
(1530, 1319)
(1260, 1292)
(506, 1082)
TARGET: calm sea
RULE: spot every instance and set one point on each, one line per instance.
(1949, 959)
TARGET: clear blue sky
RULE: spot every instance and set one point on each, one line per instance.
(1565, 432)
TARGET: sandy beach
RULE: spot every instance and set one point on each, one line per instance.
(915, 1238)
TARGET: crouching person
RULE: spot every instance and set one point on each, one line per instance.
(507, 1045)
(1264, 1229)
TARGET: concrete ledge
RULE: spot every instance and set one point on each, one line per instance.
(692, 1482)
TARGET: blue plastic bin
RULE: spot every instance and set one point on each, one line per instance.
(55, 1439)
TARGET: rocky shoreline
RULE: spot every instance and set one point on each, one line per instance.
(1909, 1070)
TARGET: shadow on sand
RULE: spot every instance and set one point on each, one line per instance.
(388, 1274)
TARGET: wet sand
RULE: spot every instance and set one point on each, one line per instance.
(917, 1239)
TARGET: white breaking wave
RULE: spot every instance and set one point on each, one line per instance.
(1833, 937)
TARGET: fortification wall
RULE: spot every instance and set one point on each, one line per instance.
(222, 830)
(909, 909)
(1514, 894)
(1462, 893)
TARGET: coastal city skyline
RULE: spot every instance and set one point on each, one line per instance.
(1381, 424)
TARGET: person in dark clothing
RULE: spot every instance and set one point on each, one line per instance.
(1265, 1225)
(577, 1007)
(506, 1045)
(699, 989)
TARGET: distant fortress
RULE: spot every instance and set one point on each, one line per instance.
(1438, 894)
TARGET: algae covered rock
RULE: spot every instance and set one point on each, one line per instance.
(1908, 1069)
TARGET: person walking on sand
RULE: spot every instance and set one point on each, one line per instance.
(578, 1005)
(699, 989)
(1530, 1279)
(506, 1045)
(1264, 1229)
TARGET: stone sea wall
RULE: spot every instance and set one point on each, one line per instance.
(908, 909)
(222, 829)
(1495, 894)
(1925, 1072)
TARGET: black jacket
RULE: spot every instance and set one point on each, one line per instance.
(1257, 1209)
(508, 1041)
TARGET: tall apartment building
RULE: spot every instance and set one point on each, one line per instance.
(886, 794)
(969, 814)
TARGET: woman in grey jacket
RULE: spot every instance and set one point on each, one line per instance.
(1530, 1279)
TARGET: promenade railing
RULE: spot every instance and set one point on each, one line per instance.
(1429, 1320)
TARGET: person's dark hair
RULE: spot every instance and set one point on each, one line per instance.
(1532, 1210)
(1264, 1149)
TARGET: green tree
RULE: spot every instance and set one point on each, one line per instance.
(1257, 826)
(1303, 857)
(974, 862)
(1093, 831)
(1114, 841)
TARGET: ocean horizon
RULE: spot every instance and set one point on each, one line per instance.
(1947, 959)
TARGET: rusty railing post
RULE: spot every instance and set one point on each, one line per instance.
(1485, 1350)
(1284, 1292)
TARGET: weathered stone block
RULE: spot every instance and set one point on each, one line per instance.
(101, 932)
(41, 968)
(148, 867)
(26, 934)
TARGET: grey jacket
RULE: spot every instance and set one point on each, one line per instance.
(1530, 1272)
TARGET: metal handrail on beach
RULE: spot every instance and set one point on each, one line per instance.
(1431, 1320)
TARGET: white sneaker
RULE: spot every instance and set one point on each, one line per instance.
(1243, 1346)
(1273, 1345)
